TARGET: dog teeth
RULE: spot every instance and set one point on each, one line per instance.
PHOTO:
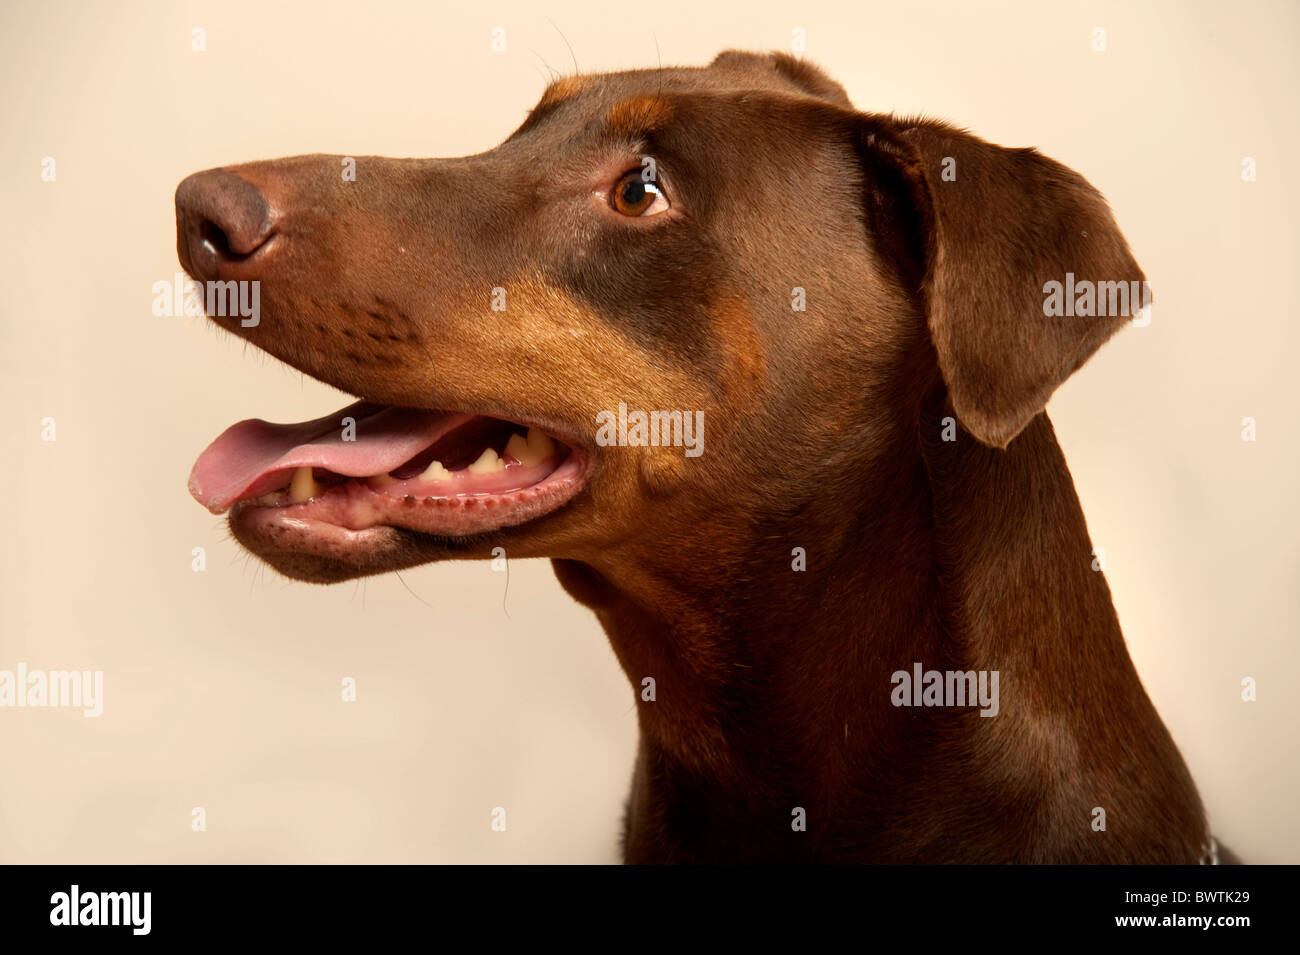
(436, 473)
(488, 463)
(517, 448)
(540, 445)
(530, 450)
(381, 480)
(303, 487)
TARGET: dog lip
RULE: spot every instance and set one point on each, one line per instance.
(366, 439)
(345, 516)
(262, 472)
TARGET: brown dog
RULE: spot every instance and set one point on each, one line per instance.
(855, 305)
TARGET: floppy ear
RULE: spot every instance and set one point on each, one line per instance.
(1021, 268)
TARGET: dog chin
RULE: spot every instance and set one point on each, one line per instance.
(300, 555)
(309, 569)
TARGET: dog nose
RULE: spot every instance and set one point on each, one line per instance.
(221, 219)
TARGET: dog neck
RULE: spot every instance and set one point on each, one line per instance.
(764, 688)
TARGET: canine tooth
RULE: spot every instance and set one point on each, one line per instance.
(540, 444)
(517, 448)
(435, 472)
(303, 487)
(381, 480)
(488, 463)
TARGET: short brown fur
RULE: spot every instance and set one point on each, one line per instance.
(826, 434)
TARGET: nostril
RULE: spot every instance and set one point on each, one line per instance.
(210, 235)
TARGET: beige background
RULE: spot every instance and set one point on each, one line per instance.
(222, 688)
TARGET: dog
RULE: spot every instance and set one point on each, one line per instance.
(764, 376)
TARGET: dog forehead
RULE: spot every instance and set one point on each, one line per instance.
(680, 79)
(627, 90)
(628, 103)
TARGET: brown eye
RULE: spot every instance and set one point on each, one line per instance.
(633, 196)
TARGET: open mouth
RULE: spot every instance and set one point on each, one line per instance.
(367, 465)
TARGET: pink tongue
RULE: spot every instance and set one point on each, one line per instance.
(385, 438)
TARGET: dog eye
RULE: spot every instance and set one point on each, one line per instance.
(633, 196)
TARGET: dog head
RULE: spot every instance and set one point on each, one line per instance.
(674, 308)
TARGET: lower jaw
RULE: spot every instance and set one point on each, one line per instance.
(359, 525)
